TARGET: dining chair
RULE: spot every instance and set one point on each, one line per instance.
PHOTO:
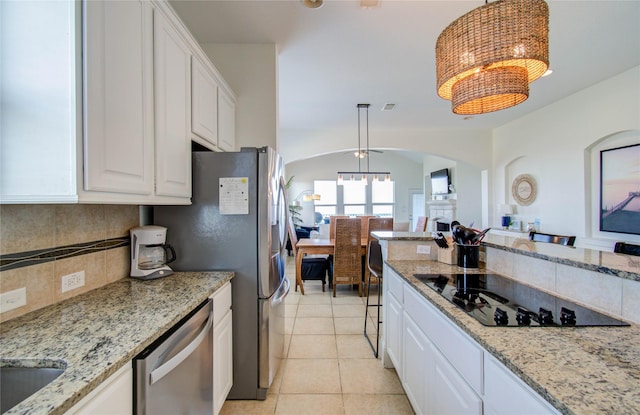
(347, 255)
(314, 267)
(421, 224)
(374, 264)
(375, 224)
(550, 238)
(332, 225)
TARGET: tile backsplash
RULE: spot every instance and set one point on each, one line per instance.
(27, 228)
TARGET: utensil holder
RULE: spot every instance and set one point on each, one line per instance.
(448, 255)
(468, 256)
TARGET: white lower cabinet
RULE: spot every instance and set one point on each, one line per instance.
(506, 394)
(114, 396)
(416, 366)
(448, 392)
(393, 322)
(222, 346)
(442, 369)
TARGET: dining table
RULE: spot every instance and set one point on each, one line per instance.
(311, 246)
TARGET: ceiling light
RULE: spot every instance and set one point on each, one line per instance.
(312, 4)
(369, 4)
(486, 59)
(360, 154)
(388, 107)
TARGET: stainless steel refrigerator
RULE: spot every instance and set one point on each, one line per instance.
(238, 222)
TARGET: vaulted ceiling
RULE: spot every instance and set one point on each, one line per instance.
(336, 56)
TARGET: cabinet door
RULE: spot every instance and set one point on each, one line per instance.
(222, 361)
(173, 108)
(448, 392)
(393, 336)
(416, 353)
(204, 104)
(118, 96)
(506, 394)
(226, 122)
(111, 397)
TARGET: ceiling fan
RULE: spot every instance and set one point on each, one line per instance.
(362, 153)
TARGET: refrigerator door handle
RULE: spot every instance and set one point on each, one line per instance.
(284, 225)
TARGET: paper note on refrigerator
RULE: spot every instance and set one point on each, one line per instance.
(234, 195)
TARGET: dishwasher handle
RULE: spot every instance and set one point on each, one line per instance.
(172, 363)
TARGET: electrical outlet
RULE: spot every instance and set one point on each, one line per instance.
(423, 249)
(72, 281)
(13, 299)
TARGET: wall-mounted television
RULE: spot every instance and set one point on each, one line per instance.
(440, 182)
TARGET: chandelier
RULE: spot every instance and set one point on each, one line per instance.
(486, 59)
(360, 154)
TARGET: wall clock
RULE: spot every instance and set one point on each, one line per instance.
(524, 189)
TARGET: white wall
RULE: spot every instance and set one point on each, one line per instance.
(554, 144)
(250, 70)
(407, 175)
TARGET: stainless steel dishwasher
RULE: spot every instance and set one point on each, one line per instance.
(174, 375)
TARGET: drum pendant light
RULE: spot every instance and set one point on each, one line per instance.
(486, 59)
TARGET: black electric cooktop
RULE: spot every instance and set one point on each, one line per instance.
(495, 300)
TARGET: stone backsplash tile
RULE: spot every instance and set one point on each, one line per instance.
(594, 289)
(26, 228)
(630, 304)
(79, 223)
(534, 271)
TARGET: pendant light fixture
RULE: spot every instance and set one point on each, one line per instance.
(486, 59)
(362, 175)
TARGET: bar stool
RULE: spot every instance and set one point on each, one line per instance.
(375, 271)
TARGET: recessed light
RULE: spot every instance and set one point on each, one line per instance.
(549, 72)
(388, 107)
(312, 4)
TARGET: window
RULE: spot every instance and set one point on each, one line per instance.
(354, 199)
(327, 190)
(382, 198)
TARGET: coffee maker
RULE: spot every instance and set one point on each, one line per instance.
(149, 257)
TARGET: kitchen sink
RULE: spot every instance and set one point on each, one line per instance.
(18, 383)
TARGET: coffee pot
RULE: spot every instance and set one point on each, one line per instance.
(149, 253)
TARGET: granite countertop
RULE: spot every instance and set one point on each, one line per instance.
(96, 333)
(578, 370)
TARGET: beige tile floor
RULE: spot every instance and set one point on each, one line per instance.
(329, 367)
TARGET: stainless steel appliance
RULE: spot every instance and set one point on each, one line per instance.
(495, 300)
(149, 252)
(238, 221)
(175, 374)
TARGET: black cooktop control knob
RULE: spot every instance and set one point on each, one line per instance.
(500, 317)
(545, 317)
(567, 317)
(523, 317)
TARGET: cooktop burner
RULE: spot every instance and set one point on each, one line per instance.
(495, 300)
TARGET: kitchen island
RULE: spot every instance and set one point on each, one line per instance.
(94, 334)
(577, 370)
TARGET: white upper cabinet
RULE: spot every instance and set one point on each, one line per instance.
(204, 105)
(96, 103)
(118, 97)
(38, 117)
(226, 121)
(173, 109)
